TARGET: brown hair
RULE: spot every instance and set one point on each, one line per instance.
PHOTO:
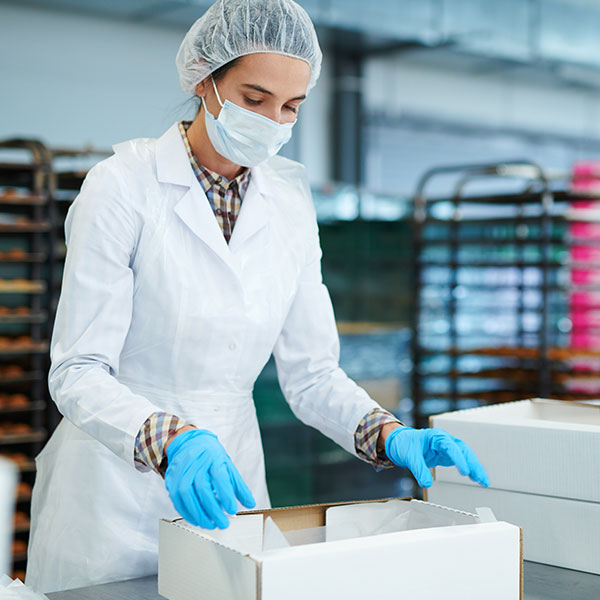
(219, 73)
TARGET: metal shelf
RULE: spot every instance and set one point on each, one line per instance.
(498, 264)
(32, 257)
(25, 438)
(39, 227)
(39, 317)
(16, 558)
(503, 199)
(24, 377)
(12, 166)
(30, 407)
(22, 200)
(41, 348)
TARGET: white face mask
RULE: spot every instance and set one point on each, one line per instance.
(245, 137)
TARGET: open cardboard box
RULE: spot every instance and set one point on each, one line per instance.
(541, 456)
(441, 553)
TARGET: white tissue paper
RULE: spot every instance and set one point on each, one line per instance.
(244, 534)
(273, 537)
(361, 520)
(17, 590)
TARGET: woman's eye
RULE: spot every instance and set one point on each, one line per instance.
(294, 110)
(252, 102)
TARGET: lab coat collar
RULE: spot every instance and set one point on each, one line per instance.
(173, 166)
(172, 161)
(254, 214)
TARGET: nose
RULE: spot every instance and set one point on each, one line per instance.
(275, 115)
(278, 114)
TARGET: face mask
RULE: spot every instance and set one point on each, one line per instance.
(245, 137)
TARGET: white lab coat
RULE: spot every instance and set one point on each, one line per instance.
(158, 313)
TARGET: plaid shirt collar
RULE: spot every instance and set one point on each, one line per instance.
(209, 179)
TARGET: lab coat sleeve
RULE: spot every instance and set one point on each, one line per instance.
(94, 314)
(307, 355)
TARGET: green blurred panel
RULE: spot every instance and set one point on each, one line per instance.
(292, 487)
(338, 240)
(289, 461)
(366, 267)
(271, 406)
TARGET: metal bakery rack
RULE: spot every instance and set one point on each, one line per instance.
(493, 306)
(25, 234)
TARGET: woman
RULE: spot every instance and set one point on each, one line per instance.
(192, 258)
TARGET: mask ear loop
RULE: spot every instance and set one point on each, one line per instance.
(216, 91)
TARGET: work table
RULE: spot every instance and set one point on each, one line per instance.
(541, 583)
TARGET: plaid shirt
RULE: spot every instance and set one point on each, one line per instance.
(225, 198)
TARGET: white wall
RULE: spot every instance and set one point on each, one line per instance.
(73, 80)
(427, 106)
(499, 98)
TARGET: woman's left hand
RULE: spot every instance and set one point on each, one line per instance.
(422, 449)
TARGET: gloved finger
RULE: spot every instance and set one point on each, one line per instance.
(478, 473)
(188, 498)
(416, 463)
(209, 504)
(192, 511)
(222, 485)
(242, 491)
(177, 491)
(449, 447)
(439, 460)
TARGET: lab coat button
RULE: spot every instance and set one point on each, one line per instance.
(232, 346)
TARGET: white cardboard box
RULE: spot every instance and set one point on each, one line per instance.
(556, 531)
(455, 556)
(545, 447)
(542, 459)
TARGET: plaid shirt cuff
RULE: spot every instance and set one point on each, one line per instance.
(367, 434)
(149, 453)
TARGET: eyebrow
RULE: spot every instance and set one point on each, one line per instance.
(263, 91)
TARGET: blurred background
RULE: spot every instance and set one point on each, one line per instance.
(453, 147)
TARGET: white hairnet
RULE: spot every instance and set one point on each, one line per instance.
(233, 28)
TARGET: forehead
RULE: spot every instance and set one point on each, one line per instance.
(282, 75)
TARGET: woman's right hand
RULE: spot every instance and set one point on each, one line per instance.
(202, 480)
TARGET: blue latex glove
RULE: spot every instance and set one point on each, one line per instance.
(202, 480)
(422, 449)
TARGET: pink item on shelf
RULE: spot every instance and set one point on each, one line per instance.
(585, 276)
(585, 340)
(584, 300)
(585, 305)
(585, 231)
(585, 253)
(584, 364)
(588, 188)
(586, 170)
(583, 386)
(581, 319)
(585, 205)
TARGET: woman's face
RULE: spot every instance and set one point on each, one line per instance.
(272, 85)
